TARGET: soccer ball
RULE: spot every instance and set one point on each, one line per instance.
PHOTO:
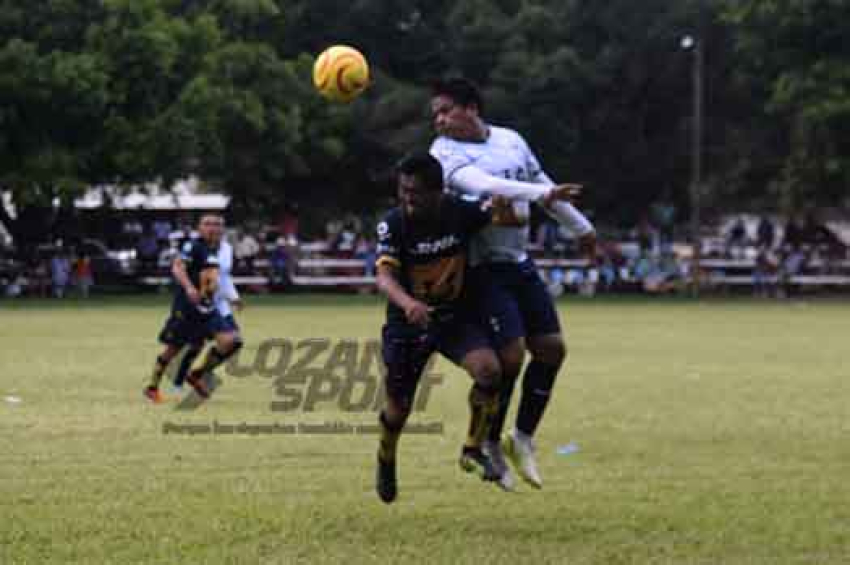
(341, 73)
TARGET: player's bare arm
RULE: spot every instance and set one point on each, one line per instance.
(178, 270)
(416, 311)
(209, 282)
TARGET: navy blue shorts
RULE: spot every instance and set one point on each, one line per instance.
(223, 324)
(188, 327)
(406, 350)
(512, 301)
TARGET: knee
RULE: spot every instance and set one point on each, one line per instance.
(552, 351)
(487, 373)
(228, 343)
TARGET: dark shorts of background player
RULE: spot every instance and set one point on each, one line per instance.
(406, 350)
(224, 324)
(512, 301)
(191, 328)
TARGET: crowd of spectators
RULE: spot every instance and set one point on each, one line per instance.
(648, 258)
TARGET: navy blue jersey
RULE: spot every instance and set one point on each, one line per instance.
(430, 255)
(197, 255)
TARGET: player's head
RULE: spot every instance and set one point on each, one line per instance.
(420, 184)
(456, 106)
(211, 228)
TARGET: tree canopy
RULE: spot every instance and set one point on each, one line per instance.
(124, 92)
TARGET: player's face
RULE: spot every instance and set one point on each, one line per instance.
(452, 119)
(417, 200)
(211, 229)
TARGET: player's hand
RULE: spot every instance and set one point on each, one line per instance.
(418, 313)
(193, 295)
(568, 192)
(238, 304)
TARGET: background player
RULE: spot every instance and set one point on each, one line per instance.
(481, 160)
(193, 313)
(226, 299)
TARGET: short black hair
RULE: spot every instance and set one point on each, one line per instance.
(461, 90)
(425, 167)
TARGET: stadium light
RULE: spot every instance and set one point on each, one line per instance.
(695, 44)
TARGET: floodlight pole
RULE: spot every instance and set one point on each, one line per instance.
(696, 149)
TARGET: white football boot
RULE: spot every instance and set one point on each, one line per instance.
(493, 450)
(520, 450)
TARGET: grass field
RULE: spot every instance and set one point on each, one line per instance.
(707, 432)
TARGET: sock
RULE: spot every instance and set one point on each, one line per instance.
(483, 404)
(389, 440)
(506, 391)
(212, 359)
(158, 369)
(185, 364)
(537, 383)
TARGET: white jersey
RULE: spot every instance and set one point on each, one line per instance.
(226, 291)
(504, 154)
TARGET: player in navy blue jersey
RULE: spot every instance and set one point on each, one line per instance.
(422, 268)
(194, 316)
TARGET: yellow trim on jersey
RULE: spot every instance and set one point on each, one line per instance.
(387, 260)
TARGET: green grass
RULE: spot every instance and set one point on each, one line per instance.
(709, 432)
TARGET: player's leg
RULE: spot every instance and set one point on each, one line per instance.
(548, 352)
(186, 362)
(174, 336)
(493, 287)
(468, 345)
(405, 356)
(227, 341)
(483, 366)
(152, 391)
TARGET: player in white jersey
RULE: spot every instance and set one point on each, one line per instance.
(226, 299)
(484, 161)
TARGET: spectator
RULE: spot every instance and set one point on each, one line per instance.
(279, 261)
(664, 215)
(647, 236)
(792, 265)
(60, 272)
(289, 225)
(765, 272)
(39, 273)
(148, 249)
(161, 230)
(83, 275)
(347, 237)
(365, 251)
(247, 249)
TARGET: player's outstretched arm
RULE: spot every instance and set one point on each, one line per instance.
(477, 182)
(417, 312)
